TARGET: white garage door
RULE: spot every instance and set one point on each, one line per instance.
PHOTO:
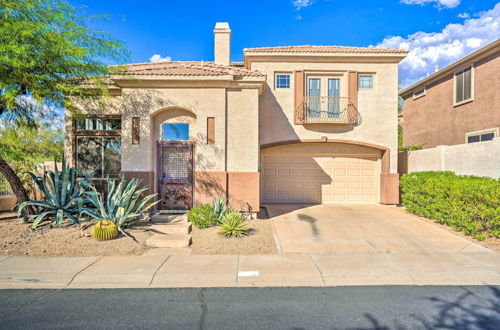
(305, 178)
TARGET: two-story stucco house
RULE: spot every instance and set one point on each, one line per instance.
(299, 124)
(457, 104)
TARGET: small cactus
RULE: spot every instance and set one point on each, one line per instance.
(104, 230)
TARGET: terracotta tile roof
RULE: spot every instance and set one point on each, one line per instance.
(324, 49)
(177, 68)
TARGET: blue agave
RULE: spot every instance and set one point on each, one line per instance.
(63, 197)
(123, 204)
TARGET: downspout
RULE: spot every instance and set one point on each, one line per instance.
(226, 127)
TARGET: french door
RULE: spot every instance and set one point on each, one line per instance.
(323, 95)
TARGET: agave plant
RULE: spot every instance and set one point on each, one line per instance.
(220, 207)
(232, 225)
(63, 197)
(123, 204)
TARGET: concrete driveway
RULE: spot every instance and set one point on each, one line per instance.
(347, 229)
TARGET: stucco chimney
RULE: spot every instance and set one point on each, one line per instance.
(436, 68)
(222, 47)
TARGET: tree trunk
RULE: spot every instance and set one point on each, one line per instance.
(16, 185)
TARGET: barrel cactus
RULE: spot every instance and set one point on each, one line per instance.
(104, 230)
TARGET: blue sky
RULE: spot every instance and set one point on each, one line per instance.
(436, 31)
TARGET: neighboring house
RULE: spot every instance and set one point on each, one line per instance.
(299, 124)
(456, 105)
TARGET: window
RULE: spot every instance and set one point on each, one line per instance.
(98, 147)
(98, 124)
(418, 93)
(282, 81)
(99, 156)
(175, 132)
(481, 136)
(365, 81)
(463, 85)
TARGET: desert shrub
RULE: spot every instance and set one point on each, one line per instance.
(62, 197)
(123, 205)
(232, 225)
(203, 216)
(466, 203)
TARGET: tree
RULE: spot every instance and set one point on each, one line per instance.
(48, 55)
(24, 147)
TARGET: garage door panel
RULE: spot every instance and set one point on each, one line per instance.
(318, 179)
(353, 172)
(368, 172)
(283, 172)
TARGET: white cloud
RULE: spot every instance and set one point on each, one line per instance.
(438, 3)
(298, 17)
(445, 47)
(298, 4)
(463, 15)
(157, 58)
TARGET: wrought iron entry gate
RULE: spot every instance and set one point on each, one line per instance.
(175, 175)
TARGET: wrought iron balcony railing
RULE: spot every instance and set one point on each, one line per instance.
(328, 110)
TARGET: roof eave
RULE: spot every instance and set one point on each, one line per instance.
(346, 57)
(475, 56)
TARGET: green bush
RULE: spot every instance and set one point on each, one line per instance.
(466, 203)
(203, 216)
(232, 225)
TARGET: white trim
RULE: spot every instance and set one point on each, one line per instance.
(462, 69)
(290, 77)
(423, 89)
(495, 131)
(366, 74)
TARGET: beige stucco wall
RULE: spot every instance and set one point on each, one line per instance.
(111, 105)
(156, 106)
(173, 105)
(377, 106)
(243, 130)
(480, 159)
(433, 120)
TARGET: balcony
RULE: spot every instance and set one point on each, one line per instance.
(327, 110)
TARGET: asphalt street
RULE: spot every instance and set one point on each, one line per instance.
(361, 307)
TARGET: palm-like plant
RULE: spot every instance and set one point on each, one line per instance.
(123, 204)
(63, 197)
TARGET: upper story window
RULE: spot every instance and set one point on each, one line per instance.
(419, 93)
(98, 124)
(486, 135)
(463, 85)
(365, 81)
(175, 132)
(282, 80)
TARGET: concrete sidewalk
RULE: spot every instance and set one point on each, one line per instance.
(466, 268)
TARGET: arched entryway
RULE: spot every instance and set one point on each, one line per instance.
(173, 131)
(329, 172)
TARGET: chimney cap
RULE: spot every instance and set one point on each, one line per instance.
(222, 27)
